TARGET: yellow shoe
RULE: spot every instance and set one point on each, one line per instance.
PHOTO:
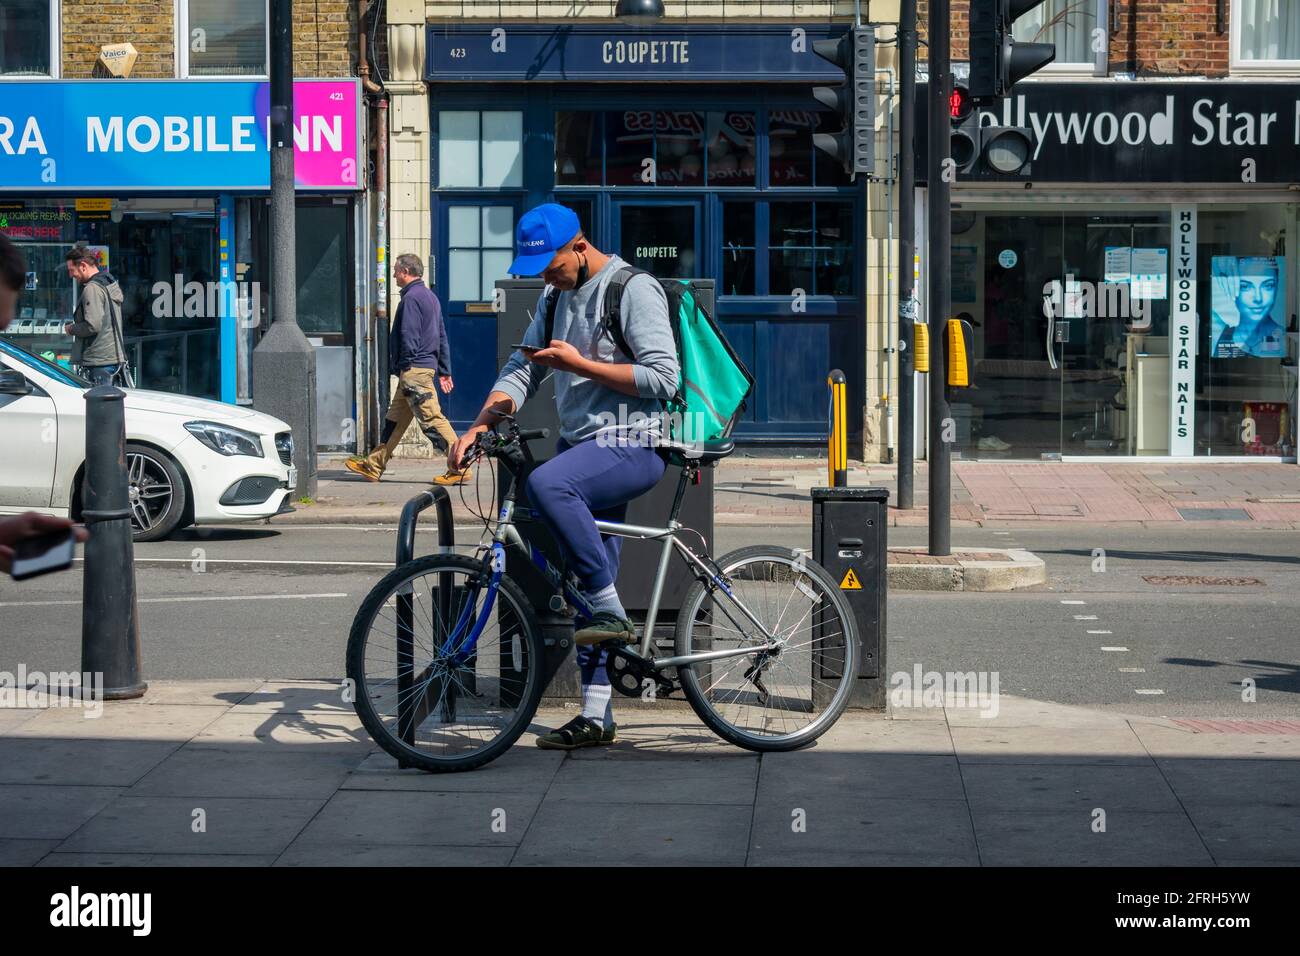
(362, 467)
(454, 477)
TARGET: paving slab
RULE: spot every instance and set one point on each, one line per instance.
(45, 811)
(522, 769)
(790, 778)
(108, 860)
(1066, 838)
(24, 852)
(164, 825)
(688, 780)
(1250, 830)
(421, 818)
(580, 833)
(1163, 740)
(247, 771)
(294, 697)
(1015, 711)
(309, 730)
(395, 855)
(1092, 745)
(1044, 787)
(199, 693)
(107, 763)
(879, 734)
(14, 717)
(1233, 781)
(119, 720)
(851, 828)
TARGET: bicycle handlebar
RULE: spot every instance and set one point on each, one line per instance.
(528, 434)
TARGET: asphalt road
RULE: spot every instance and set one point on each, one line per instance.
(266, 602)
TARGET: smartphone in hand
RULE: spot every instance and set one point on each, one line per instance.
(43, 554)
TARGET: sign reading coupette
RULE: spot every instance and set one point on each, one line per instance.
(147, 135)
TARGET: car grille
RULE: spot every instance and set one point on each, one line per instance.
(284, 445)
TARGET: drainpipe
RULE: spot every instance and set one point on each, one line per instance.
(376, 330)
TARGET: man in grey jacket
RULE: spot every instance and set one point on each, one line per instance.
(609, 404)
(97, 321)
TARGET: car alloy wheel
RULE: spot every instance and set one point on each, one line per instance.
(149, 491)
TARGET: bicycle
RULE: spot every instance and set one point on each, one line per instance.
(446, 654)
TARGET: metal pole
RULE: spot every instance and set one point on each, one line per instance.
(284, 362)
(906, 251)
(110, 625)
(938, 266)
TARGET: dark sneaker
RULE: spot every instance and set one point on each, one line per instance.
(605, 626)
(579, 732)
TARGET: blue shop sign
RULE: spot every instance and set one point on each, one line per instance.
(167, 136)
(601, 53)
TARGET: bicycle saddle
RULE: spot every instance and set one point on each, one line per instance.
(705, 452)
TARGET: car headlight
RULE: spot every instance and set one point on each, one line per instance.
(225, 440)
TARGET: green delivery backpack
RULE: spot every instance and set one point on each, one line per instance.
(714, 382)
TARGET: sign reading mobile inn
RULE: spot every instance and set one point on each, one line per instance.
(1155, 132)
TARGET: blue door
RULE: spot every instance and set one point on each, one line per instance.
(660, 236)
(476, 247)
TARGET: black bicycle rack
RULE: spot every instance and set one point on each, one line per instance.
(411, 712)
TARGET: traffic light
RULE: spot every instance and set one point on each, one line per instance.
(997, 61)
(1005, 150)
(964, 143)
(853, 101)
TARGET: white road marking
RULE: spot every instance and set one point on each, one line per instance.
(1124, 649)
(1100, 632)
(1085, 617)
(186, 600)
(1074, 602)
(1132, 670)
(1148, 691)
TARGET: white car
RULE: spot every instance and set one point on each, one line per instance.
(189, 461)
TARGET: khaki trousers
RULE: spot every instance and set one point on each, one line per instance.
(416, 397)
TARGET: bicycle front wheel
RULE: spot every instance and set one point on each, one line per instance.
(776, 698)
(431, 691)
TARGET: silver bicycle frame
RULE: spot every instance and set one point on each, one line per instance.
(509, 534)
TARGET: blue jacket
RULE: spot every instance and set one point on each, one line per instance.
(418, 338)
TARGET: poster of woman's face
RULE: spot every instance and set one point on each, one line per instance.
(1248, 303)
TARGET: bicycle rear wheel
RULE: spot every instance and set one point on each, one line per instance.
(423, 693)
(769, 700)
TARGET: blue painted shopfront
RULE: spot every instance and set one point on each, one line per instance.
(682, 177)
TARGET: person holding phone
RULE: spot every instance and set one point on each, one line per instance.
(29, 535)
(609, 403)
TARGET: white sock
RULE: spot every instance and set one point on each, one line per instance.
(596, 704)
(606, 599)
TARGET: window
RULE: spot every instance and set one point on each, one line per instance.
(29, 38)
(480, 243)
(223, 38)
(739, 248)
(481, 150)
(655, 148)
(810, 248)
(1265, 34)
(1077, 27)
(792, 158)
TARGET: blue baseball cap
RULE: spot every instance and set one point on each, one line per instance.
(542, 232)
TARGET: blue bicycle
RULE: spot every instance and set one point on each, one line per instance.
(447, 658)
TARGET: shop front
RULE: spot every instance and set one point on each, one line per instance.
(174, 204)
(686, 150)
(1133, 293)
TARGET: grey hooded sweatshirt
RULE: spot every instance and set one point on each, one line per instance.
(97, 322)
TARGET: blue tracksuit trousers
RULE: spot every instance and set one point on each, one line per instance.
(582, 483)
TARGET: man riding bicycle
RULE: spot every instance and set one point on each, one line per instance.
(602, 462)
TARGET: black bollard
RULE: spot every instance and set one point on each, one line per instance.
(110, 625)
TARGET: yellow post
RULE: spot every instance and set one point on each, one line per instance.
(837, 457)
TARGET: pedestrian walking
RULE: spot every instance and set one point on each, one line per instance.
(100, 351)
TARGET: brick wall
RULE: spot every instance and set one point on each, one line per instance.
(1155, 37)
(324, 36)
(146, 24)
